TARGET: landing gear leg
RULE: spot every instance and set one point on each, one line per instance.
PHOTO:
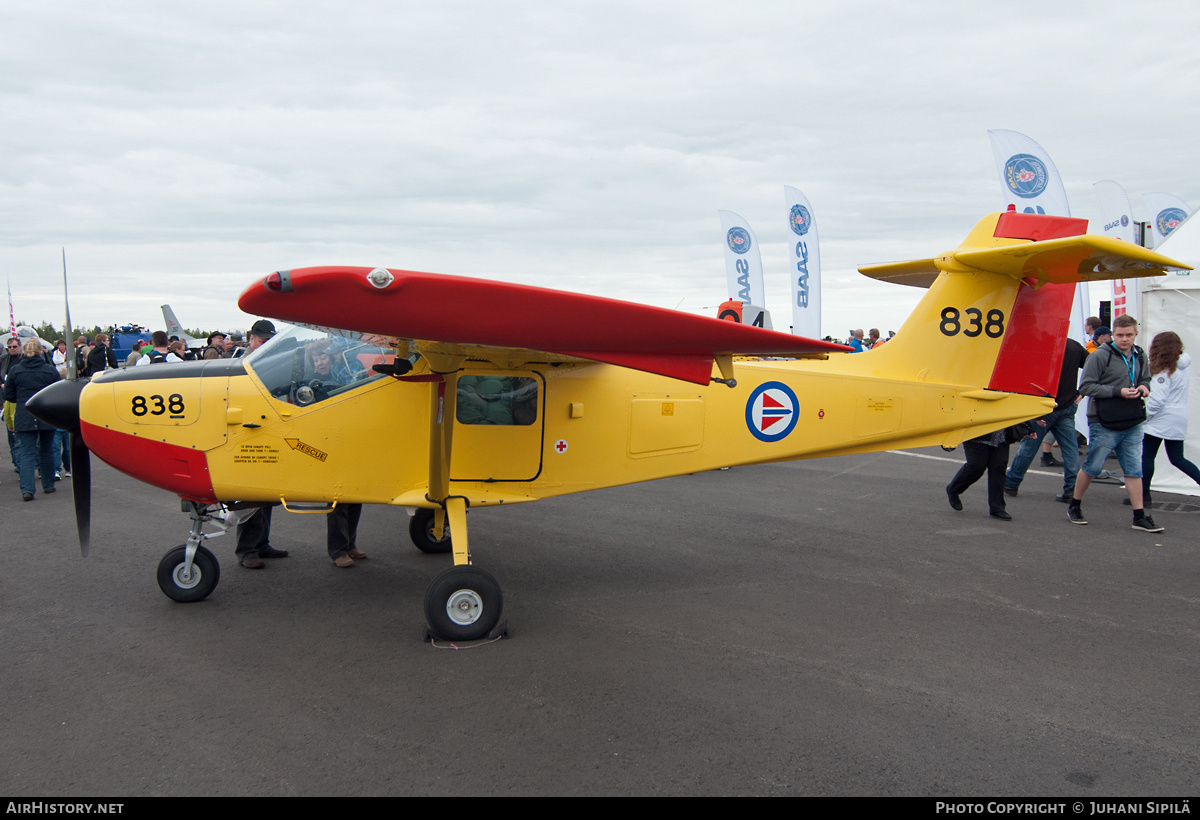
(463, 603)
(190, 572)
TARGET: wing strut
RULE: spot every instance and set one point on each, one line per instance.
(451, 510)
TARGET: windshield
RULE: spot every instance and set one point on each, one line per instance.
(303, 365)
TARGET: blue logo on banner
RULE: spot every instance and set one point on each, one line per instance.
(738, 239)
(1169, 219)
(1124, 221)
(1026, 175)
(772, 411)
(800, 220)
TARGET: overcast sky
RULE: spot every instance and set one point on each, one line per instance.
(180, 151)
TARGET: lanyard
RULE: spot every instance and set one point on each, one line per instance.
(1130, 363)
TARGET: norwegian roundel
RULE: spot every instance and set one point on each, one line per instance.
(772, 411)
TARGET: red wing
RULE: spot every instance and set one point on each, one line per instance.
(463, 310)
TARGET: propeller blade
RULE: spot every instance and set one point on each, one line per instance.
(81, 484)
(58, 404)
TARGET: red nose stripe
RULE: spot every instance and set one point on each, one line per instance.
(179, 469)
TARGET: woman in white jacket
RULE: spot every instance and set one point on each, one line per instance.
(1166, 408)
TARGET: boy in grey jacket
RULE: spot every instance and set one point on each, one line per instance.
(1116, 375)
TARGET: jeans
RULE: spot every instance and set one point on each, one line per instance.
(62, 450)
(1062, 424)
(1126, 443)
(36, 452)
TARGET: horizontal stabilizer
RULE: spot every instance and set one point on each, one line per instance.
(1075, 259)
(1058, 261)
(918, 273)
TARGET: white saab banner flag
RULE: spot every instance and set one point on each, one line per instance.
(805, 255)
(1166, 214)
(743, 264)
(1116, 215)
(1028, 177)
(1031, 184)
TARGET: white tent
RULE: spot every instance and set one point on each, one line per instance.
(1172, 302)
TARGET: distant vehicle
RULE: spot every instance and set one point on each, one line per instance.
(122, 339)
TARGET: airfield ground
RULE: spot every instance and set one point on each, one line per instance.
(815, 628)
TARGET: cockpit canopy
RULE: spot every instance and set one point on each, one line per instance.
(306, 365)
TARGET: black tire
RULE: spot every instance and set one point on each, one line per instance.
(206, 573)
(420, 530)
(463, 604)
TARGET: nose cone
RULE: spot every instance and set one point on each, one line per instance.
(58, 405)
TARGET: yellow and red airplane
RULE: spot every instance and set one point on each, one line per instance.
(486, 393)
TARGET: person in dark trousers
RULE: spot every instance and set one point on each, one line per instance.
(1166, 409)
(342, 535)
(987, 453)
(10, 357)
(254, 534)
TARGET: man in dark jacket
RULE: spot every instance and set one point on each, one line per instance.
(102, 357)
(216, 346)
(11, 355)
(1061, 423)
(82, 349)
(26, 378)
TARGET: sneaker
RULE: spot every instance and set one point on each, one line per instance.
(357, 555)
(1146, 524)
(1065, 498)
(955, 502)
(343, 561)
(1002, 515)
(1011, 492)
(58, 476)
(27, 496)
(1048, 460)
(65, 474)
(1075, 513)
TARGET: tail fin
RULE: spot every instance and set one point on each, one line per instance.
(173, 326)
(997, 311)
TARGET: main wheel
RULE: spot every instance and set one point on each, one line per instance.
(463, 604)
(420, 530)
(184, 587)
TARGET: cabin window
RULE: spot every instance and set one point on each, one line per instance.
(304, 366)
(503, 400)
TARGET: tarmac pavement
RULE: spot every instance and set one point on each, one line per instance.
(823, 627)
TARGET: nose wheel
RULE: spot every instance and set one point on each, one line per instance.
(190, 572)
(188, 583)
(463, 604)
